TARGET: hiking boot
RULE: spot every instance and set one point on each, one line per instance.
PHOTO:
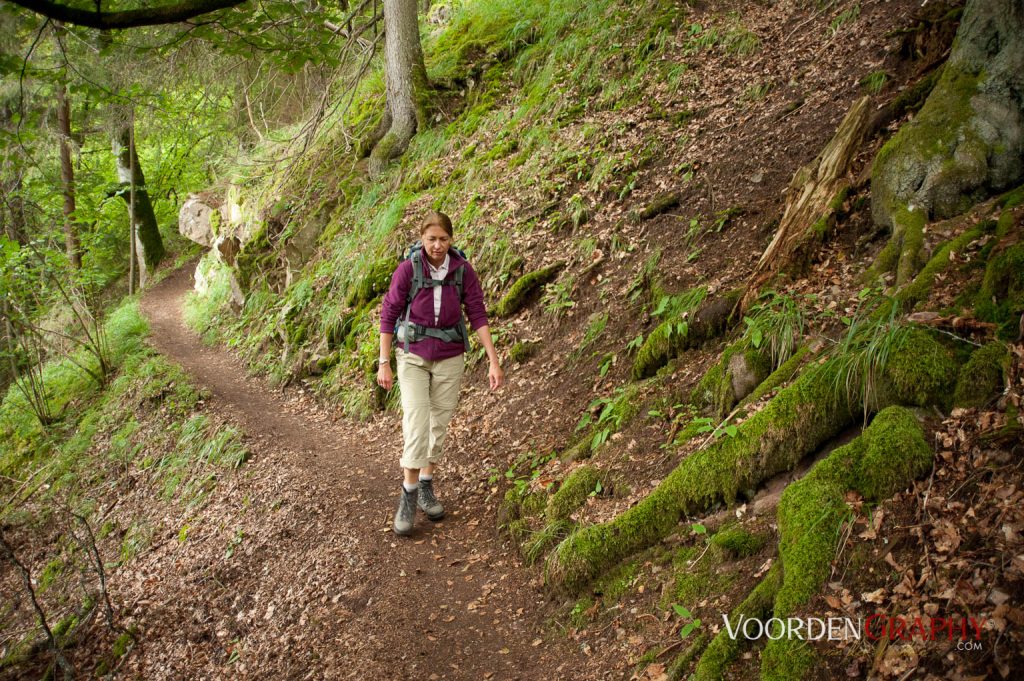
(406, 513)
(428, 502)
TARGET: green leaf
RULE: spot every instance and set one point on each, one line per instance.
(681, 611)
(698, 529)
(731, 431)
(756, 337)
(688, 628)
(662, 305)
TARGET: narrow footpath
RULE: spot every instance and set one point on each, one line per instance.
(292, 572)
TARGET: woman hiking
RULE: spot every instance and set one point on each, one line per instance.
(422, 315)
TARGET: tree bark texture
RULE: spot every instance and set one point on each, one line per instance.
(406, 83)
(148, 245)
(966, 143)
(67, 177)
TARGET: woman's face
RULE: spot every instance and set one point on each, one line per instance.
(436, 243)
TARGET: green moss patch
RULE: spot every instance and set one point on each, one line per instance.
(526, 289)
(723, 649)
(889, 454)
(1001, 298)
(982, 377)
(573, 492)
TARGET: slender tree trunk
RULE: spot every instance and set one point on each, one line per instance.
(67, 176)
(148, 243)
(406, 84)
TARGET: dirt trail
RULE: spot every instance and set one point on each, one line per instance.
(319, 586)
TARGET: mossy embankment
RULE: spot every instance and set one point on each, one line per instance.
(308, 310)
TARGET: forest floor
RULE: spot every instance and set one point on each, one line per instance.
(319, 586)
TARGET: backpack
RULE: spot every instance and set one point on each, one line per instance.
(409, 332)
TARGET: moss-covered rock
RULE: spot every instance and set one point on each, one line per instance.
(797, 421)
(522, 351)
(525, 289)
(740, 369)
(982, 377)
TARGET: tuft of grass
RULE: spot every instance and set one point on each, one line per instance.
(874, 82)
(862, 355)
(596, 326)
(775, 323)
(757, 91)
(557, 298)
(845, 17)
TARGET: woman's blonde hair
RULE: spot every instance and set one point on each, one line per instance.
(436, 219)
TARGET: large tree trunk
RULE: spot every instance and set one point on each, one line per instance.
(67, 177)
(966, 143)
(148, 244)
(406, 84)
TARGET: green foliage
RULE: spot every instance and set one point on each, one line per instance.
(689, 626)
(557, 298)
(775, 325)
(669, 337)
(874, 82)
(607, 415)
(845, 17)
(595, 327)
(874, 333)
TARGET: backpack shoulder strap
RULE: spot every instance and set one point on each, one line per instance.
(417, 274)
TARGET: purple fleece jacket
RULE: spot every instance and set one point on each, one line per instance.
(422, 311)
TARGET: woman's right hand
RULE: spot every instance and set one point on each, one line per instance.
(385, 378)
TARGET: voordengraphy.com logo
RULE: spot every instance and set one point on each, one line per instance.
(874, 628)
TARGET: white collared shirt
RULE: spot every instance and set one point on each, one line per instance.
(438, 274)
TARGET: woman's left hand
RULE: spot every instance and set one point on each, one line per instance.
(496, 375)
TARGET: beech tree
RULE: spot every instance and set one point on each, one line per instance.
(406, 85)
(148, 247)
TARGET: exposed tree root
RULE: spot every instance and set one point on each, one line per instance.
(797, 421)
(712, 318)
(889, 454)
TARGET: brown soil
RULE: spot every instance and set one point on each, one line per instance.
(319, 586)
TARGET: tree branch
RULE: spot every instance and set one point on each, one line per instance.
(150, 16)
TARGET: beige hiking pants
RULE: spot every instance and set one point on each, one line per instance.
(430, 393)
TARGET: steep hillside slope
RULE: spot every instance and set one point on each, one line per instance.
(689, 438)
